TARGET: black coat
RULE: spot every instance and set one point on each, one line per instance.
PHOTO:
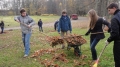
(40, 23)
(96, 32)
(115, 27)
(2, 24)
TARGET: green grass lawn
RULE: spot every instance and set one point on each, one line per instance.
(9, 20)
(12, 50)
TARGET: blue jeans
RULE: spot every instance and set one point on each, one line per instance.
(26, 42)
(93, 43)
(2, 29)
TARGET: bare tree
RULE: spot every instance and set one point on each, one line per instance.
(38, 7)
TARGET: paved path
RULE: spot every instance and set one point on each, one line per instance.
(48, 24)
(44, 25)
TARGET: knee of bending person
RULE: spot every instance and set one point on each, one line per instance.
(92, 47)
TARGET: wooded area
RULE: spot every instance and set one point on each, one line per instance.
(38, 7)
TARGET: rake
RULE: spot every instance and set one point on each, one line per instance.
(96, 63)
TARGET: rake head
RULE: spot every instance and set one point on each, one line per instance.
(96, 63)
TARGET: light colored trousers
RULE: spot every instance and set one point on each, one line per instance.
(63, 34)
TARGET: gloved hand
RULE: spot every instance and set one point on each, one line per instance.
(109, 30)
(86, 34)
(17, 21)
(70, 31)
(106, 42)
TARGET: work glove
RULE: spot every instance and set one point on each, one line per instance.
(86, 34)
(17, 21)
(106, 42)
(109, 30)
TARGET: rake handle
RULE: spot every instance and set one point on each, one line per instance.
(71, 36)
(24, 24)
(102, 52)
(96, 63)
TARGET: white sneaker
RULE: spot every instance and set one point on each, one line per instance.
(25, 55)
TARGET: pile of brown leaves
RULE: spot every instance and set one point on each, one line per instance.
(49, 63)
(71, 40)
(75, 40)
(55, 40)
(57, 57)
(43, 51)
(60, 57)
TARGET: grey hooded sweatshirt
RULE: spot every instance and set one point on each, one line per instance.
(24, 21)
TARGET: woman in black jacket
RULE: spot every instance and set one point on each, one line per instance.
(96, 30)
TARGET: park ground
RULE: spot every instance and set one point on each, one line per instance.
(12, 50)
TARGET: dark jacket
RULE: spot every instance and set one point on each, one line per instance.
(64, 24)
(96, 32)
(56, 25)
(40, 23)
(115, 27)
(2, 24)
